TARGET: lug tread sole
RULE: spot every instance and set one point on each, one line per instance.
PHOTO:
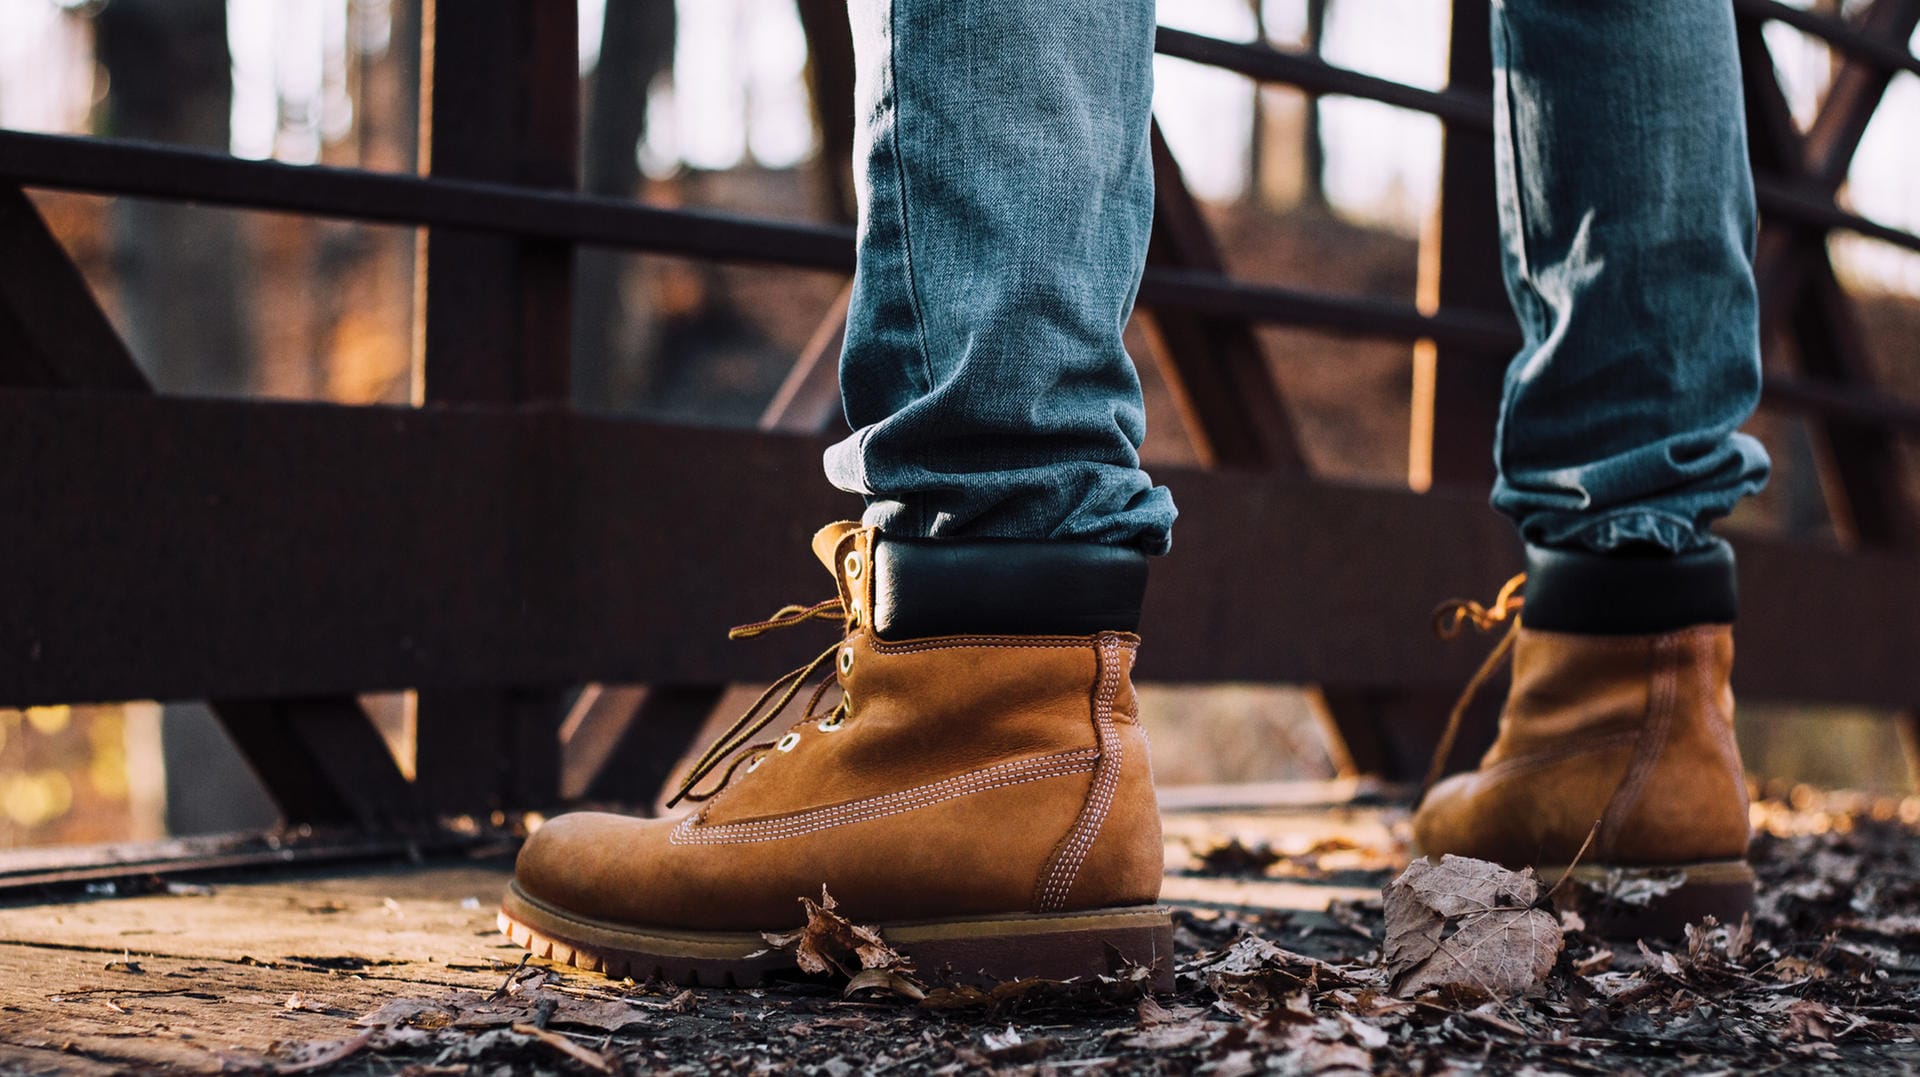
(1722, 889)
(979, 950)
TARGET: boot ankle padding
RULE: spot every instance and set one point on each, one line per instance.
(1004, 587)
(1629, 594)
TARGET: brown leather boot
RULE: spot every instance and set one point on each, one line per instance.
(1619, 726)
(982, 798)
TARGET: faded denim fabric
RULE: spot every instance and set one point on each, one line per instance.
(1005, 203)
(1006, 194)
(1627, 227)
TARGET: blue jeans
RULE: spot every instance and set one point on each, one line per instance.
(1006, 196)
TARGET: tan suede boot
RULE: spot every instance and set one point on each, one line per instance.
(985, 800)
(1613, 733)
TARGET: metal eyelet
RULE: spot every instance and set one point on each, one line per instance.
(855, 564)
(787, 742)
(846, 661)
(831, 722)
(853, 616)
(755, 764)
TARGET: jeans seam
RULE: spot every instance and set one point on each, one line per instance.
(921, 525)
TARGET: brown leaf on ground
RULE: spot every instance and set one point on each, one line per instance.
(1008, 1046)
(893, 983)
(1234, 857)
(1254, 977)
(830, 942)
(1468, 925)
(325, 1055)
(472, 1012)
(1164, 1028)
(591, 1059)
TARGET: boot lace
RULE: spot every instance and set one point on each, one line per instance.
(1449, 620)
(768, 707)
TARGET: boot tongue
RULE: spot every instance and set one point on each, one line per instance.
(826, 543)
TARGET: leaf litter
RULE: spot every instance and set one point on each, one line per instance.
(1461, 966)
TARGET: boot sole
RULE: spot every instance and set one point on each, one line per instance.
(1722, 889)
(992, 949)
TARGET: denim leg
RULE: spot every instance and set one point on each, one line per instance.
(1006, 193)
(1627, 222)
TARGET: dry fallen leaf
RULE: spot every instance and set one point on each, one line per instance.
(888, 980)
(325, 1055)
(591, 1059)
(1234, 857)
(1008, 1046)
(1468, 925)
(830, 942)
(1254, 976)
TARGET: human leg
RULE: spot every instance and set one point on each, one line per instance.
(1627, 222)
(978, 787)
(1006, 193)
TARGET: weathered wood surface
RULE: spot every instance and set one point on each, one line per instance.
(206, 980)
(235, 975)
(281, 975)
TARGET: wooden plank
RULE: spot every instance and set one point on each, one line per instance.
(638, 734)
(1455, 405)
(1214, 366)
(319, 759)
(1882, 48)
(1864, 473)
(522, 546)
(830, 82)
(216, 969)
(1875, 505)
(1855, 95)
(1817, 163)
(1265, 63)
(501, 103)
(1457, 390)
(52, 333)
(659, 727)
(808, 401)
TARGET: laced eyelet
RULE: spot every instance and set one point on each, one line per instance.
(831, 722)
(754, 764)
(846, 661)
(787, 743)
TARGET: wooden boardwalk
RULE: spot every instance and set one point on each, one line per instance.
(242, 974)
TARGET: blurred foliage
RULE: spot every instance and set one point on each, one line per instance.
(65, 777)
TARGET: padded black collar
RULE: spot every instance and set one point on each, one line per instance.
(940, 587)
(1629, 594)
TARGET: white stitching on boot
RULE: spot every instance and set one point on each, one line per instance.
(1066, 865)
(999, 776)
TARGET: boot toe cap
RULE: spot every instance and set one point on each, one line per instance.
(589, 863)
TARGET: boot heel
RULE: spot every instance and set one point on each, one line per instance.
(1659, 902)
